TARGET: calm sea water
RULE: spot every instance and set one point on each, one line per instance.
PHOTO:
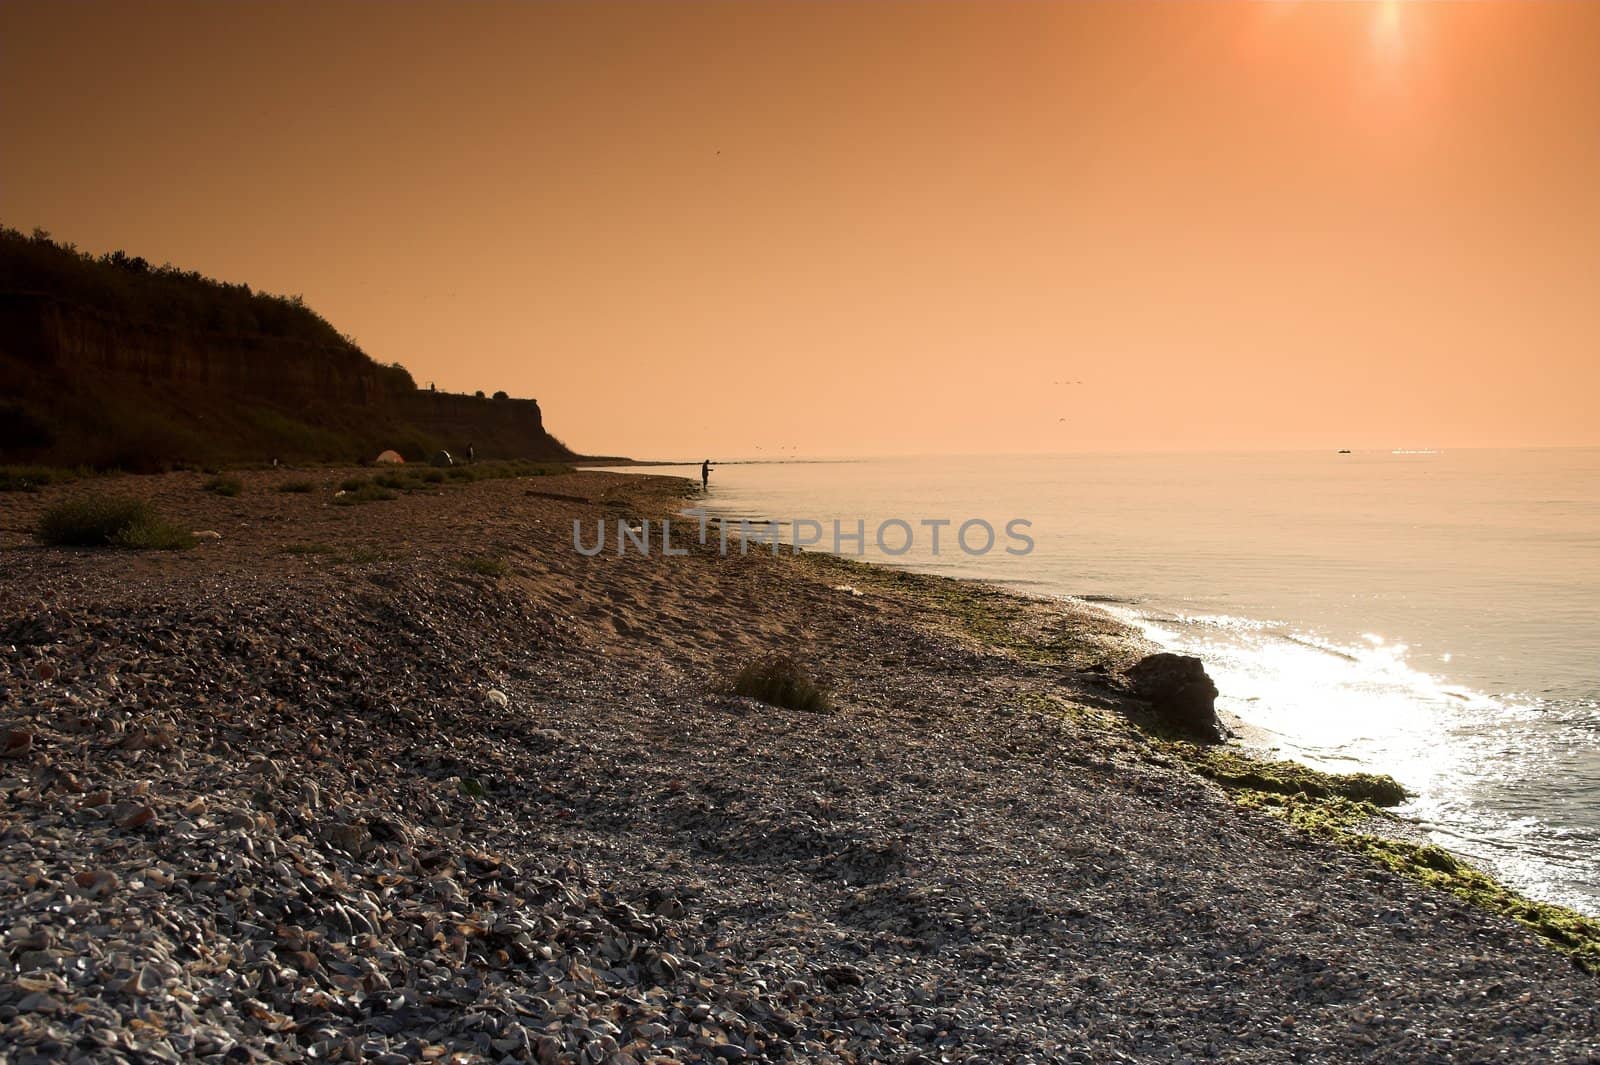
(1431, 615)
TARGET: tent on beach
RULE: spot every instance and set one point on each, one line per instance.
(390, 458)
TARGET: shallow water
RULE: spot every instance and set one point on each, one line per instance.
(1431, 615)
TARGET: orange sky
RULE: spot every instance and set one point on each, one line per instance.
(865, 228)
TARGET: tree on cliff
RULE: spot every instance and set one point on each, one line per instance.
(127, 286)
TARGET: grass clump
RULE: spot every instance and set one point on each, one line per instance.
(306, 549)
(33, 478)
(297, 487)
(778, 680)
(366, 493)
(396, 481)
(493, 471)
(108, 521)
(352, 484)
(223, 486)
(496, 470)
(361, 556)
(487, 566)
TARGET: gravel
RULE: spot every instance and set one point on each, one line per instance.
(290, 807)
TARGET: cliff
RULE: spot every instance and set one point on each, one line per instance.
(86, 349)
(107, 365)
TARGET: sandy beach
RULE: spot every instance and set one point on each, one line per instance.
(416, 780)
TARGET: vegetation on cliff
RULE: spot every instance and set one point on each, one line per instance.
(111, 362)
(129, 287)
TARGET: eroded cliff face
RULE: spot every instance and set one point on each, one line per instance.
(79, 386)
(465, 419)
(89, 350)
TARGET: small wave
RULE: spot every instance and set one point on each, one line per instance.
(1512, 846)
(1225, 622)
(1317, 645)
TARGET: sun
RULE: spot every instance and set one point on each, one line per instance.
(1388, 23)
(1388, 29)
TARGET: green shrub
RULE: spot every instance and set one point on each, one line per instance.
(155, 533)
(306, 549)
(366, 493)
(391, 480)
(487, 566)
(433, 476)
(32, 478)
(109, 521)
(353, 484)
(301, 487)
(778, 680)
(500, 468)
(224, 486)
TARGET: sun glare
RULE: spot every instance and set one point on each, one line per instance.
(1386, 23)
(1388, 30)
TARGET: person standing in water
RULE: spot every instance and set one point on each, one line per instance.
(705, 475)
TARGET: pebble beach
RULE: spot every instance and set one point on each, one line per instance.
(415, 780)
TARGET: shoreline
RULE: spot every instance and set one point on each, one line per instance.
(1260, 740)
(350, 777)
(1319, 803)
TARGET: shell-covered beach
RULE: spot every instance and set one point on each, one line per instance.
(417, 780)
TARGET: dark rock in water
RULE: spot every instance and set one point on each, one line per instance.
(1182, 696)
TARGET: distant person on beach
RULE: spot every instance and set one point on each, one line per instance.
(472, 455)
(705, 475)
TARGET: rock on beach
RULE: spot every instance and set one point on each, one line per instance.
(1180, 693)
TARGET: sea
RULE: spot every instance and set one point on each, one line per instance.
(1434, 615)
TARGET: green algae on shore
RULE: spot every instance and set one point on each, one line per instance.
(1339, 808)
(1347, 823)
(1344, 809)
